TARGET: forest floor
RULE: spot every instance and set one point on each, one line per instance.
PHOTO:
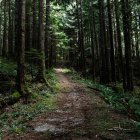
(81, 114)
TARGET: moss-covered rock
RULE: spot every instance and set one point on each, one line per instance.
(16, 95)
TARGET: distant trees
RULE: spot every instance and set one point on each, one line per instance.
(99, 38)
(80, 35)
(104, 31)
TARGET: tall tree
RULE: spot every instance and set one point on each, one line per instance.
(126, 12)
(4, 49)
(0, 29)
(104, 65)
(20, 43)
(92, 42)
(81, 35)
(28, 25)
(47, 36)
(34, 32)
(112, 58)
(136, 36)
(10, 35)
(119, 40)
(41, 62)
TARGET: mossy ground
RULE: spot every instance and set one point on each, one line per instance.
(15, 118)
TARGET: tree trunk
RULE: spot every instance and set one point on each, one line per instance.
(4, 49)
(81, 37)
(83, 64)
(120, 56)
(136, 37)
(104, 65)
(101, 44)
(92, 43)
(10, 36)
(41, 62)
(28, 26)
(112, 58)
(126, 12)
(20, 43)
(0, 29)
(34, 32)
(47, 37)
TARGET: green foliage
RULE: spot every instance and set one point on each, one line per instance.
(7, 75)
(115, 100)
(7, 67)
(40, 101)
(135, 131)
(48, 133)
(16, 94)
(33, 54)
(59, 38)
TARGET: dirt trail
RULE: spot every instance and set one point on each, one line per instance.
(81, 115)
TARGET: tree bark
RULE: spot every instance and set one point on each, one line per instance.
(104, 65)
(112, 58)
(34, 32)
(41, 62)
(136, 37)
(82, 61)
(92, 43)
(0, 29)
(20, 43)
(47, 37)
(28, 26)
(4, 49)
(120, 55)
(10, 36)
(126, 12)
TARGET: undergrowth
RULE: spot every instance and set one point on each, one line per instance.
(115, 99)
(14, 119)
(7, 75)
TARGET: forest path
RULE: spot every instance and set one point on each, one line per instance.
(80, 115)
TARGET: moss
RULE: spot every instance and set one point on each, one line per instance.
(57, 86)
(48, 133)
(44, 70)
(88, 90)
(27, 91)
(16, 94)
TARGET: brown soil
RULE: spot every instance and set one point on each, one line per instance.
(81, 115)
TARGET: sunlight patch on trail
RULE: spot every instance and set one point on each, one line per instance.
(63, 70)
(50, 128)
